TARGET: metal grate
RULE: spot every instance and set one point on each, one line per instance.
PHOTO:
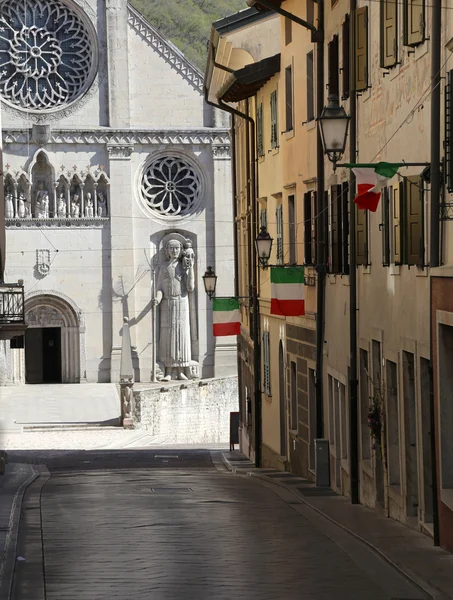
(12, 304)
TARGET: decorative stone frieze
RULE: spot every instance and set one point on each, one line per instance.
(221, 152)
(119, 152)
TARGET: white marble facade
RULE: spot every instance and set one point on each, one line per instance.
(108, 147)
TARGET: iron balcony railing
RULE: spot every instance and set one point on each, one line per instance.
(12, 303)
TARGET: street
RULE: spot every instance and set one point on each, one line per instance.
(163, 524)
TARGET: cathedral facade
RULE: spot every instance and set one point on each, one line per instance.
(109, 152)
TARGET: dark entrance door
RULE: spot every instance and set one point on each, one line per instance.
(282, 392)
(43, 355)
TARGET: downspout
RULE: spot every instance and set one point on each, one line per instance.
(254, 289)
(434, 259)
(321, 227)
(433, 437)
(353, 382)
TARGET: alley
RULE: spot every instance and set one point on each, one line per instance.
(162, 524)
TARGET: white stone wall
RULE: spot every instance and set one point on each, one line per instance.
(188, 414)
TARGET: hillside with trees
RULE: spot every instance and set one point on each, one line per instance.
(187, 23)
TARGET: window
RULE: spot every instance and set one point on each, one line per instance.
(339, 228)
(279, 215)
(263, 218)
(361, 233)
(266, 364)
(414, 22)
(333, 67)
(259, 131)
(385, 225)
(17, 342)
(288, 31)
(310, 11)
(364, 405)
(292, 231)
(361, 49)
(289, 97)
(393, 435)
(310, 228)
(408, 223)
(274, 120)
(389, 33)
(294, 423)
(345, 71)
(310, 87)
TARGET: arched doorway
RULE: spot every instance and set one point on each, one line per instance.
(52, 340)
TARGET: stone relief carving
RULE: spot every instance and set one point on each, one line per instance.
(45, 316)
(123, 151)
(173, 296)
(221, 151)
(41, 69)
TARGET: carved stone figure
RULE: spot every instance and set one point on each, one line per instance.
(75, 206)
(102, 205)
(21, 207)
(9, 207)
(175, 282)
(61, 207)
(89, 208)
(41, 209)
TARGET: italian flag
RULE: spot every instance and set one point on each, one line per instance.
(226, 319)
(287, 291)
(371, 179)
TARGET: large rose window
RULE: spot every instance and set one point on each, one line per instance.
(171, 187)
(47, 55)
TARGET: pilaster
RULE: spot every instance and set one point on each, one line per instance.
(122, 247)
(118, 63)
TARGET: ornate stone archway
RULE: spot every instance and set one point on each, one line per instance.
(53, 309)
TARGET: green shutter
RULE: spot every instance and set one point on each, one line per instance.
(361, 233)
(334, 230)
(361, 49)
(389, 33)
(414, 220)
(279, 215)
(259, 130)
(274, 120)
(414, 22)
(385, 225)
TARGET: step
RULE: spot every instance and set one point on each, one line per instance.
(42, 427)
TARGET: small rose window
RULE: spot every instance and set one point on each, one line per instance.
(171, 187)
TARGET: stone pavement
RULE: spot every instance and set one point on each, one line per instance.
(413, 553)
(79, 403)
(160, 525)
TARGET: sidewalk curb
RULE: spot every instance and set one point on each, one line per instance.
(424, 586)
(10, 548)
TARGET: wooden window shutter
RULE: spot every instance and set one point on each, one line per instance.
(361, 49)
(414, 22)
(334, 230)
(274, 120)
(289, 97)
(414, 220)
(310, 87)
(279, 215)
(333, 66)
(397, 218)
(344, 242)
(361, 233)
(345, 45)
(389, 33)
(314, 228)
(308, 260)
(385, 225)
(259, 130)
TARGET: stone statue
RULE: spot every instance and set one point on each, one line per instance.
(89, 208)
(75, 206)
(61, 207)
(41, 202)
(23, 207)
(9, 206)
(174, 283)
(102, 205)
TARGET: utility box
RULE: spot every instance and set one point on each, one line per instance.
(322, 466)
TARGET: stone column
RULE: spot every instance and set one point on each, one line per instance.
(122, 248)
(225, 352)
(118, 62)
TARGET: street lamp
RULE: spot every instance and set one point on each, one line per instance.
(210, 282)
(263, 246)
(333, 127)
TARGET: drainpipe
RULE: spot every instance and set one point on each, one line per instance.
(434, 260)
(321, 227)
(433, 437)
(353, 383)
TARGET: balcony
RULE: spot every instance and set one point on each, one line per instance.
(12, 310)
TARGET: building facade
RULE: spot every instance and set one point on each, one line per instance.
(109, 150)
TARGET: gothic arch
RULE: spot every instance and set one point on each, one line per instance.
(54, 309)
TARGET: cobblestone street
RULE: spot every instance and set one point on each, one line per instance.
(160, 524)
